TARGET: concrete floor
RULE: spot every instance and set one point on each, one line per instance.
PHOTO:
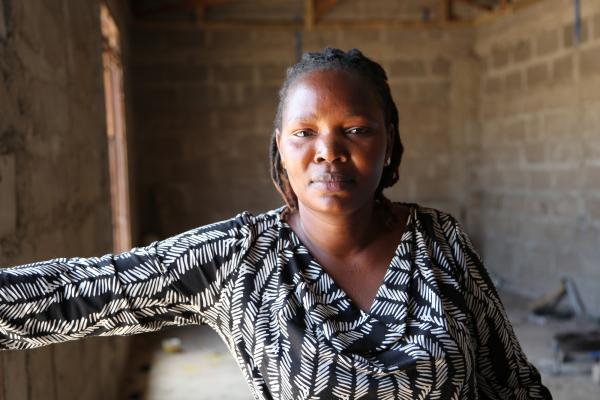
(205, 370)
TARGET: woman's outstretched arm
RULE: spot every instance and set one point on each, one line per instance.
(177, 281)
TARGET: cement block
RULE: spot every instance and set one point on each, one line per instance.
(402, 92)
(562, 71)
(546, 42)
(170, 73)
(514, 81)
(407, 68)
(569, 33)
(271, 73)
(237, 73)
(515, 131)
(492, 85)
(434, 93)
(590, 62)
(535, 153)
(521, 51)
(8, 203)
(500, 56)
(593, 207)
(440, 67)
(236, 120)
(360, 38)
(592, 177)
(537, 75)
(2, 21)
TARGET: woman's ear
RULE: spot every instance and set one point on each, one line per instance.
(389, 141)
(277, 137)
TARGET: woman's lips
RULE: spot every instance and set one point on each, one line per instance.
(332, 181)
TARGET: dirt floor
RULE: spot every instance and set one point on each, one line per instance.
(205, 370)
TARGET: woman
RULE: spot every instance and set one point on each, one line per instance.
(339, 294)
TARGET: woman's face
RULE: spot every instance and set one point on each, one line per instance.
(333, 141)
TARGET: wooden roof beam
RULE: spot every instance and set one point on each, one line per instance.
(323, 7)
(475, 4)
(505, 7)
(310, 15)
(344, 24)
(294, 24)
(444, 11)
(184, 5)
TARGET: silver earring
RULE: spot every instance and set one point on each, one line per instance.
(388, 161)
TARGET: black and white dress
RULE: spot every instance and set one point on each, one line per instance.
(436, 329)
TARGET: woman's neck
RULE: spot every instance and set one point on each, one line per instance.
(337, 235)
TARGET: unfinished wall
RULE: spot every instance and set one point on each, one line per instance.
(205, 102)
(54, 187)
(538, 177)
(499, 124)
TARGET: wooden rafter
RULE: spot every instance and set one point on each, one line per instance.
(505, 7)
(181, 6)
(310, 15)
(315, 9)
(444, 11)
(323, 7)
(475, 4)
(295, 25)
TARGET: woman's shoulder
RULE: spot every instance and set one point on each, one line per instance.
(243, 225)
(261, 222)
(246, 220)
(428, 215)
(435, 224)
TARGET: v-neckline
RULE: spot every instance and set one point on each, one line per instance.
(332, 283)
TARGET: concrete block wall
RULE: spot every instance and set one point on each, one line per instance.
(205, 102)
(203, 105)
(499, 125)
(538, 177)
(54, 182)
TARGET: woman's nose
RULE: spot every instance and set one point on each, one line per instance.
(330, 148)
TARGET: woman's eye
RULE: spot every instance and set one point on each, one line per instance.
(357, 131)
(302, 133)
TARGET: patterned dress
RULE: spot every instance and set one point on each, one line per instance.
(436, 329)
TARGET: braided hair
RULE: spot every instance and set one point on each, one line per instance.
(353, 61)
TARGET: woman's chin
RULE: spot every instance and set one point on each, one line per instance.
(335, 203)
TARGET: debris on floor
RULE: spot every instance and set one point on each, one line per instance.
(596, 373)
(576, 335)
(172, 345)
(549, 306)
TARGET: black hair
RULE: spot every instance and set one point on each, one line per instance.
(352, 61)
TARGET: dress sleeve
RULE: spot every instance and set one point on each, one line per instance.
(177, 281)
(502, 369)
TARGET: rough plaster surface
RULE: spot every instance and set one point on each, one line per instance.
(8, 214)
(538, 177)
(54, 189)
(2, 21)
